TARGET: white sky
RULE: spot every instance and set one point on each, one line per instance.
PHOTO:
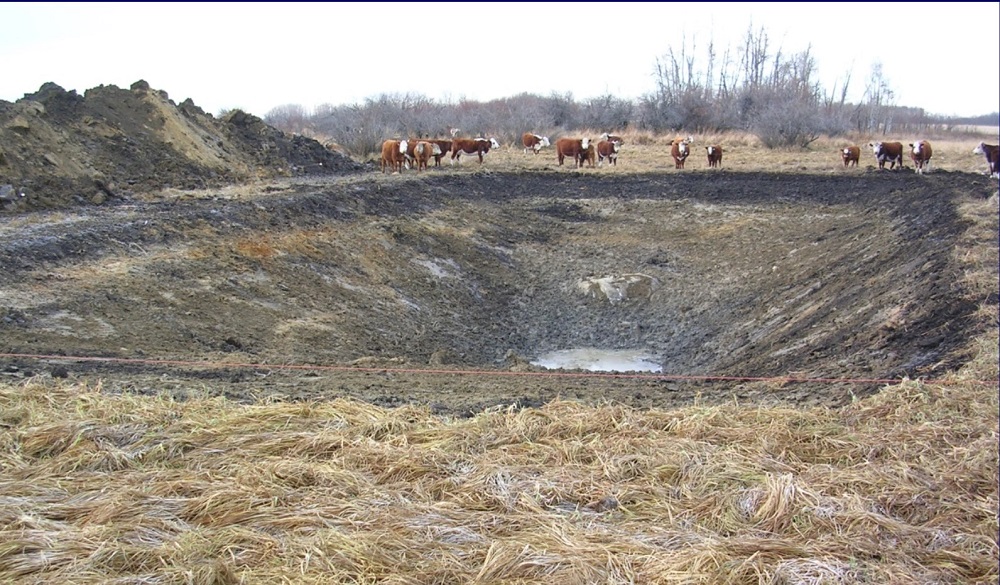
(943, 57)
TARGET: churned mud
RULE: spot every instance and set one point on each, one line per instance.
(440, 289)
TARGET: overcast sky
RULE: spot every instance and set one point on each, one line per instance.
(942, 57)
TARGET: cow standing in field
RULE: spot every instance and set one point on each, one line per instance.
(589, 155)
(608, 149)
(393, 155)
(571, 148)
(920, 152)
(477, 146)
(992, 152)
(534, 142)
(679, 151)
(851, 155)
(891, 152)
(714, 155)
(444, 146)
(422, 153)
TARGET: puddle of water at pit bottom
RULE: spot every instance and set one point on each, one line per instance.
(598, 360)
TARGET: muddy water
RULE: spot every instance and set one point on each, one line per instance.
(598, 360)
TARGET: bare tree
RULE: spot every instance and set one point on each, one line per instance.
(875, 113)
(607, 112)
(291, 118)
(754, 58)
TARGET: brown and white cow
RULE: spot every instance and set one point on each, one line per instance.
(992, 154)
(477, 146)
(891, 152)
(920, 152)
(572, 148)
(534, 142)
(851, 155)
(613, 138)
(714, 155)
(589, 155)
(679, 151)
(608, 149)
(444, 145)
(393, 155)
(422, 153)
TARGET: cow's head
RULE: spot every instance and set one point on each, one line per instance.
(917, 146)
(542, 142)
(402, 146)
(710, 150)
(980, 149)
(847, 152)
(876, 147)
(494, 143)
(615, 145)
(585, 143)
(682, 148)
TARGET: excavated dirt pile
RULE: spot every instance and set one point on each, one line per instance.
(442, 288)
(59, 148)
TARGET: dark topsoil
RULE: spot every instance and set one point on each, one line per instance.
(301, 281)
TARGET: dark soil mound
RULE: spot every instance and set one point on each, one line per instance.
(58, 148)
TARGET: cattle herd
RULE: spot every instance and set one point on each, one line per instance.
(416, 153)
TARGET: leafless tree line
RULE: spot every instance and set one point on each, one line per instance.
(756, 87)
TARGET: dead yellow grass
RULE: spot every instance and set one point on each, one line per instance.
(897, 488)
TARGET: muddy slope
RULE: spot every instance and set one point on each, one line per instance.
(739, 275)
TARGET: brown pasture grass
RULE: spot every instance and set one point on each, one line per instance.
(897, 488)
(900, 487)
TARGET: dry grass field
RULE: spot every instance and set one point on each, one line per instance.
(99, 485)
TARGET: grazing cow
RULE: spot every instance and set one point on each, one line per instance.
(992, 154)
(714, 155)
(679, 151)
(394, 155)
(477, 146)
(613, 138)
(891, 152)
(920, 152)
(571, 148)
(851, 155)
(534, 142)
(423, 151)
(608, 149)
